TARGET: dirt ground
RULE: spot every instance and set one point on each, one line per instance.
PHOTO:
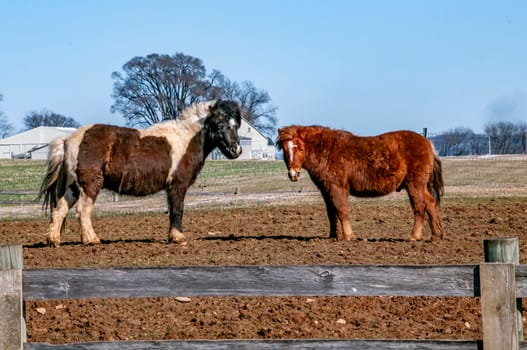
(280, 234)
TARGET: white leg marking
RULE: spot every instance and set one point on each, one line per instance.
(85, 207)
(177, 237)
(57, 218)
(293, 174)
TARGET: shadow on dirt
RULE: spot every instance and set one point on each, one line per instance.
(103, 242)
(382, 239)
(233, 238)
(230, 238)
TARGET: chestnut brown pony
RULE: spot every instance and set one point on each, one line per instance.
(166, 156)
(341, 163)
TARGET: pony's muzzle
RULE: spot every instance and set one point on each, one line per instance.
(238, 150)
(233, 151)
(293, 175)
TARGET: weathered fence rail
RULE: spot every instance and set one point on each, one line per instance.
(352, 280)
(498, 284)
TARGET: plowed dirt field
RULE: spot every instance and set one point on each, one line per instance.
(267, 235)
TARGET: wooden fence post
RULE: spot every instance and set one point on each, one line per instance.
(505, 250)
(12, 327)
(501, 328)
(502, 250)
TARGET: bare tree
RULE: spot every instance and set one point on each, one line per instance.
(158, 87)
(507, 137)
(448, 143)
(6, 128)
(460, 142)
(47, 118)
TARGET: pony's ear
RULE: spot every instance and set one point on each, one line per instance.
(277, 143)
(217, 104)
(228, 107)
(284, 131)
(282, 136)
(213, 106)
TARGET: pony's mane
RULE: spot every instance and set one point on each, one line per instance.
(285, 134)
(192, 117)
(199, 110)
(303, 132)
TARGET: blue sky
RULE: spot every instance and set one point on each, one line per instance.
(363, 66)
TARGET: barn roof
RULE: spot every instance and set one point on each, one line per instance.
(41, 134)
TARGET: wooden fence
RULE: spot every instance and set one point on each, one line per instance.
(499, 282)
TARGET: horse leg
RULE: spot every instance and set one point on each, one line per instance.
(418, 205)
(433, 217)
(84, 211)
(175, 203)
(332, 216)
(339, 200)
(58, 217)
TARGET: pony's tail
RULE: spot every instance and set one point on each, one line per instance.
(436, 185)
(54, 184)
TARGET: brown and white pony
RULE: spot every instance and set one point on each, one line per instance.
(167, 156)
(341, 163)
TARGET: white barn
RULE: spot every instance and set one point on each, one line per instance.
(34, 143)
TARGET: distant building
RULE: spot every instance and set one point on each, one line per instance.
(34, 143)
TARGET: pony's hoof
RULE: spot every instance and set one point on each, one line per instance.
(177, 237)
(52, 243)
(438, 237)
(91, 242)
(345, 238)
(177, 241)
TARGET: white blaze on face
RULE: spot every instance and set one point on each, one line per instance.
(293, 174)
(290, 146)
(234, 125)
